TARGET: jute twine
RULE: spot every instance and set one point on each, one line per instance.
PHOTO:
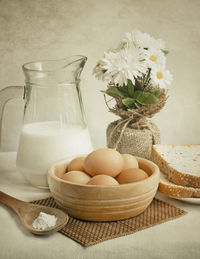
(134, 133)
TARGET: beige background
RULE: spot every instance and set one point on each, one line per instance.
(53, 29)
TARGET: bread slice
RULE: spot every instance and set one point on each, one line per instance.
(181, 163)
(176, 191)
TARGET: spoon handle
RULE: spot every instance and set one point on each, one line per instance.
(11, 202)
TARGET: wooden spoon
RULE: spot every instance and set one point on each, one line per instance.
(28, 212)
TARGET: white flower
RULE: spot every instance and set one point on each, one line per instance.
(157, 43)
(98, 71)
(132, 58)
(137, 38)
(155, 58)
(161, 77)
(128, 63)
(142, 40)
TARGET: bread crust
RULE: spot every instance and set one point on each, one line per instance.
(177, 191)
(174, 175)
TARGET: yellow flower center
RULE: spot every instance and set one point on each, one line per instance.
(153, 58)
(159, 75)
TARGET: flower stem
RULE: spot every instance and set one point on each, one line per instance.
(147, 79)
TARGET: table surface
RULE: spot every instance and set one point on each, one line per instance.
(179, 238)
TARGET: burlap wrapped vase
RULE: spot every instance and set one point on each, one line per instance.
(137, 139)
(134, 133)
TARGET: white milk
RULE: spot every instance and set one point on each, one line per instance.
(41, 144)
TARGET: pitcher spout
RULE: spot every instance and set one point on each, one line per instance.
(75, 64)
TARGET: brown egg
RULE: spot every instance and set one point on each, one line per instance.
(103, 179)
(104, 161)
(76, 164)
(76, 177)
(131, 175)
(129, 161)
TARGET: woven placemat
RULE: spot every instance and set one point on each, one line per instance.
(89, 233)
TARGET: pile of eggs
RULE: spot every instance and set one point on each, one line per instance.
(104, 167)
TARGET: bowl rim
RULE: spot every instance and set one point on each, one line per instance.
(51, 173)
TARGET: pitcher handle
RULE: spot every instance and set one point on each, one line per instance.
(6, 94)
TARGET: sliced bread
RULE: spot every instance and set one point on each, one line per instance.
(176, 191)
(180, 163)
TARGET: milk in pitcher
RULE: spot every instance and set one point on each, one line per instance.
(43, 143)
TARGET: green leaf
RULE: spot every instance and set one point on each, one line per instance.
(145, 98)
(129, 102)
(155, 91)
(124, 90)
(116, 91)
(130, 87)
(165, 51)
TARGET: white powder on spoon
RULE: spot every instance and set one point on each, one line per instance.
(44, 221)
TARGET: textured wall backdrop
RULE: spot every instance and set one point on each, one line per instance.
(53, 29)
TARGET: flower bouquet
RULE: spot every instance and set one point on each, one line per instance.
(137, 79)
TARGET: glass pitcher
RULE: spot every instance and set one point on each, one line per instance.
(54, 125)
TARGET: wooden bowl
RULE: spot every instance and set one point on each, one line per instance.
(104, 203)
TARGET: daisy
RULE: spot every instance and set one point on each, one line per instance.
(157, 43)
(98, 71)
(126, 64)
(103, 65)
(155, 57)
(136, 54)
(161, 77)
(137, 38)
(142, 40)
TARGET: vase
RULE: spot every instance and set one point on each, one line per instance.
(135, 138)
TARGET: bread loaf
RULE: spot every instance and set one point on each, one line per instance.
(176, 191)
(180, 163)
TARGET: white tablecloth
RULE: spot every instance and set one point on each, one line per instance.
(179, 238)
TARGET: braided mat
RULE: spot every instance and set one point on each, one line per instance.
(89, 233)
